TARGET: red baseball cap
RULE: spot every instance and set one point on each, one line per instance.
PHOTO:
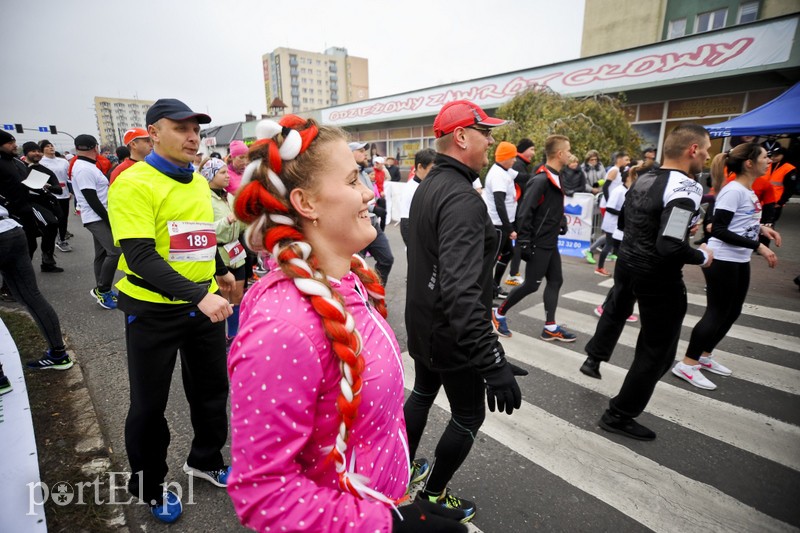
(460, 114)
(133, 134)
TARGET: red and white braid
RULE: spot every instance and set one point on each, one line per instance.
(259, 206)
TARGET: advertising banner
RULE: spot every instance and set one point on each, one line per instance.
(578, 209)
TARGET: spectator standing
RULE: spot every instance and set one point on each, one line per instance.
(45, 207)
(60, 168)
(228, 229)
(392, 169)
(379, 248)
(573, 179)
(452, 249)
(423, 163)
(237, 152)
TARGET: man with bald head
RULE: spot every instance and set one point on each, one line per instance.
(162, 218)
(452, 249)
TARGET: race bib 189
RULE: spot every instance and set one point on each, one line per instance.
(191, 241)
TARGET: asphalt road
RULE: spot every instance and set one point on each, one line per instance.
(724, 460)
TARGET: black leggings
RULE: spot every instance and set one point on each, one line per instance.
(504, 251)
(63, 218)
(726, 287)
(610, 246)
(465, 391)
(544, 264)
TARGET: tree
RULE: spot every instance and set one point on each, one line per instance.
(596, 122)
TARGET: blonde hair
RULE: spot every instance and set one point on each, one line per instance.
(292, 155)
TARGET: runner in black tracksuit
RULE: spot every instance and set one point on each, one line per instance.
(541, 221)
(656, 216)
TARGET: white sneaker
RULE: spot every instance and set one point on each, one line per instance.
(710, 364)
(692, 374)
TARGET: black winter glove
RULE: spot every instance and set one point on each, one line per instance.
(427, 517)
(525, 250)
(563, 227)
(501, 386)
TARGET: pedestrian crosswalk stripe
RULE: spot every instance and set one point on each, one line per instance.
(753, 432)
(617, 476)
(608, 283)
(757, 335)
(745, 368)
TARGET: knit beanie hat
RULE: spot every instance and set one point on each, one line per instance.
(6, 137)
(524, 144)
(237, 148)
(505, 151)
(30, 146)
(211, 168)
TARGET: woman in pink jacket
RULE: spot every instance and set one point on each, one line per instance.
(318, 440)
(237, 153)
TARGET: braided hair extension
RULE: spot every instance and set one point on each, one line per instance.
(286, 156)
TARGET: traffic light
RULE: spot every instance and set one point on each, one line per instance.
(53, 130)
(18, 128)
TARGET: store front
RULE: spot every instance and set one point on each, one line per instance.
(705, 78)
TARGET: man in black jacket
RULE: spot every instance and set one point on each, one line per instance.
(540, 221)
(526, 151)
(658, 212)
(452, 249)
(46, 208)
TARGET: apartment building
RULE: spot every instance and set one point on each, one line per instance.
(310, 80)
(116, 115)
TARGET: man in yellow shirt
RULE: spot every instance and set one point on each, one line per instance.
(161, 217)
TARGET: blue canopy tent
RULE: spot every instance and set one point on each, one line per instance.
(781, 115)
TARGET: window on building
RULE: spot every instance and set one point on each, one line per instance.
(711, 20)
(305, 100)
(676, 28)
(748, 12)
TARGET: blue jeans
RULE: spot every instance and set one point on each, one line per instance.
(17, 271)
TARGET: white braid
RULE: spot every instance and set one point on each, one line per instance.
(255, 229)
(247, 175)
(291, 145)
(276, 182)
(267, 129)
(281, 220)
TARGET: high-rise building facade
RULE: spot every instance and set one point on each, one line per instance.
(309, 80)
(612, 25)
(116, 115)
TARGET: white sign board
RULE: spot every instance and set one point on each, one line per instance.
(704, 55)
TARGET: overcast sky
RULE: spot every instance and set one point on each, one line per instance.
(58, 55)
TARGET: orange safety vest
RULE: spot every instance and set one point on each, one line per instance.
(776, 177)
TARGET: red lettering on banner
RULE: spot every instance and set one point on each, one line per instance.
(710, 55)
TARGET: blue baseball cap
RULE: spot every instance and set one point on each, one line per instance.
(174, 110)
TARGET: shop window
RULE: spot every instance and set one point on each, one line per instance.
(748, 12)
(711, 20)
(651, 111)
(676, 28)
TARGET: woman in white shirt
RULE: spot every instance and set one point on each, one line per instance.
(736, 227)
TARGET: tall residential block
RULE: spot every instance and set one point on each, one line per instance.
(611, 25)
(116, 115)
(309, 80)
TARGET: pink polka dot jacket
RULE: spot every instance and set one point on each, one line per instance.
(284, 382)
